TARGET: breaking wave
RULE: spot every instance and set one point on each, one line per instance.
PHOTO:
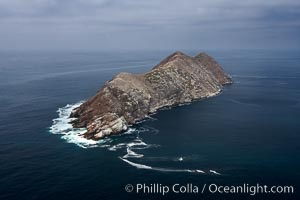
(133, 142)
(62, 126)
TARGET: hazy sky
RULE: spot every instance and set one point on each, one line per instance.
(149, 24)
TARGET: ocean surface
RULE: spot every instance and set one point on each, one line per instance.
(249, 134)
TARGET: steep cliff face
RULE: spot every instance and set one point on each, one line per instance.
(129, 98)
(211, 65)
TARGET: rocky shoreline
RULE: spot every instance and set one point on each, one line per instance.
(129, 98)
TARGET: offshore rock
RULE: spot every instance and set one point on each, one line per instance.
(129, 98)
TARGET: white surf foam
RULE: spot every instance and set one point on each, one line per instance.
(141, 166)
(117, 146)
(62, 126)
(137, 143)
(132, 154)
(129, 131)
(214, 172)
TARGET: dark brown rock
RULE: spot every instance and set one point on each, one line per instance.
(129, 98)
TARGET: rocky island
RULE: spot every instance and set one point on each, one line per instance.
(129, 98)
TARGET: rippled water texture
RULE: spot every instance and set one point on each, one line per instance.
(248, 134)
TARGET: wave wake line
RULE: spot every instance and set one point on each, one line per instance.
(62, 126)
(141, 166)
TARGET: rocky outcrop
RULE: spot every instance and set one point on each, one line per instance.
(129, 98)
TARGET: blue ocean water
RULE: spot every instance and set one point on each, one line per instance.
(248, 134)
